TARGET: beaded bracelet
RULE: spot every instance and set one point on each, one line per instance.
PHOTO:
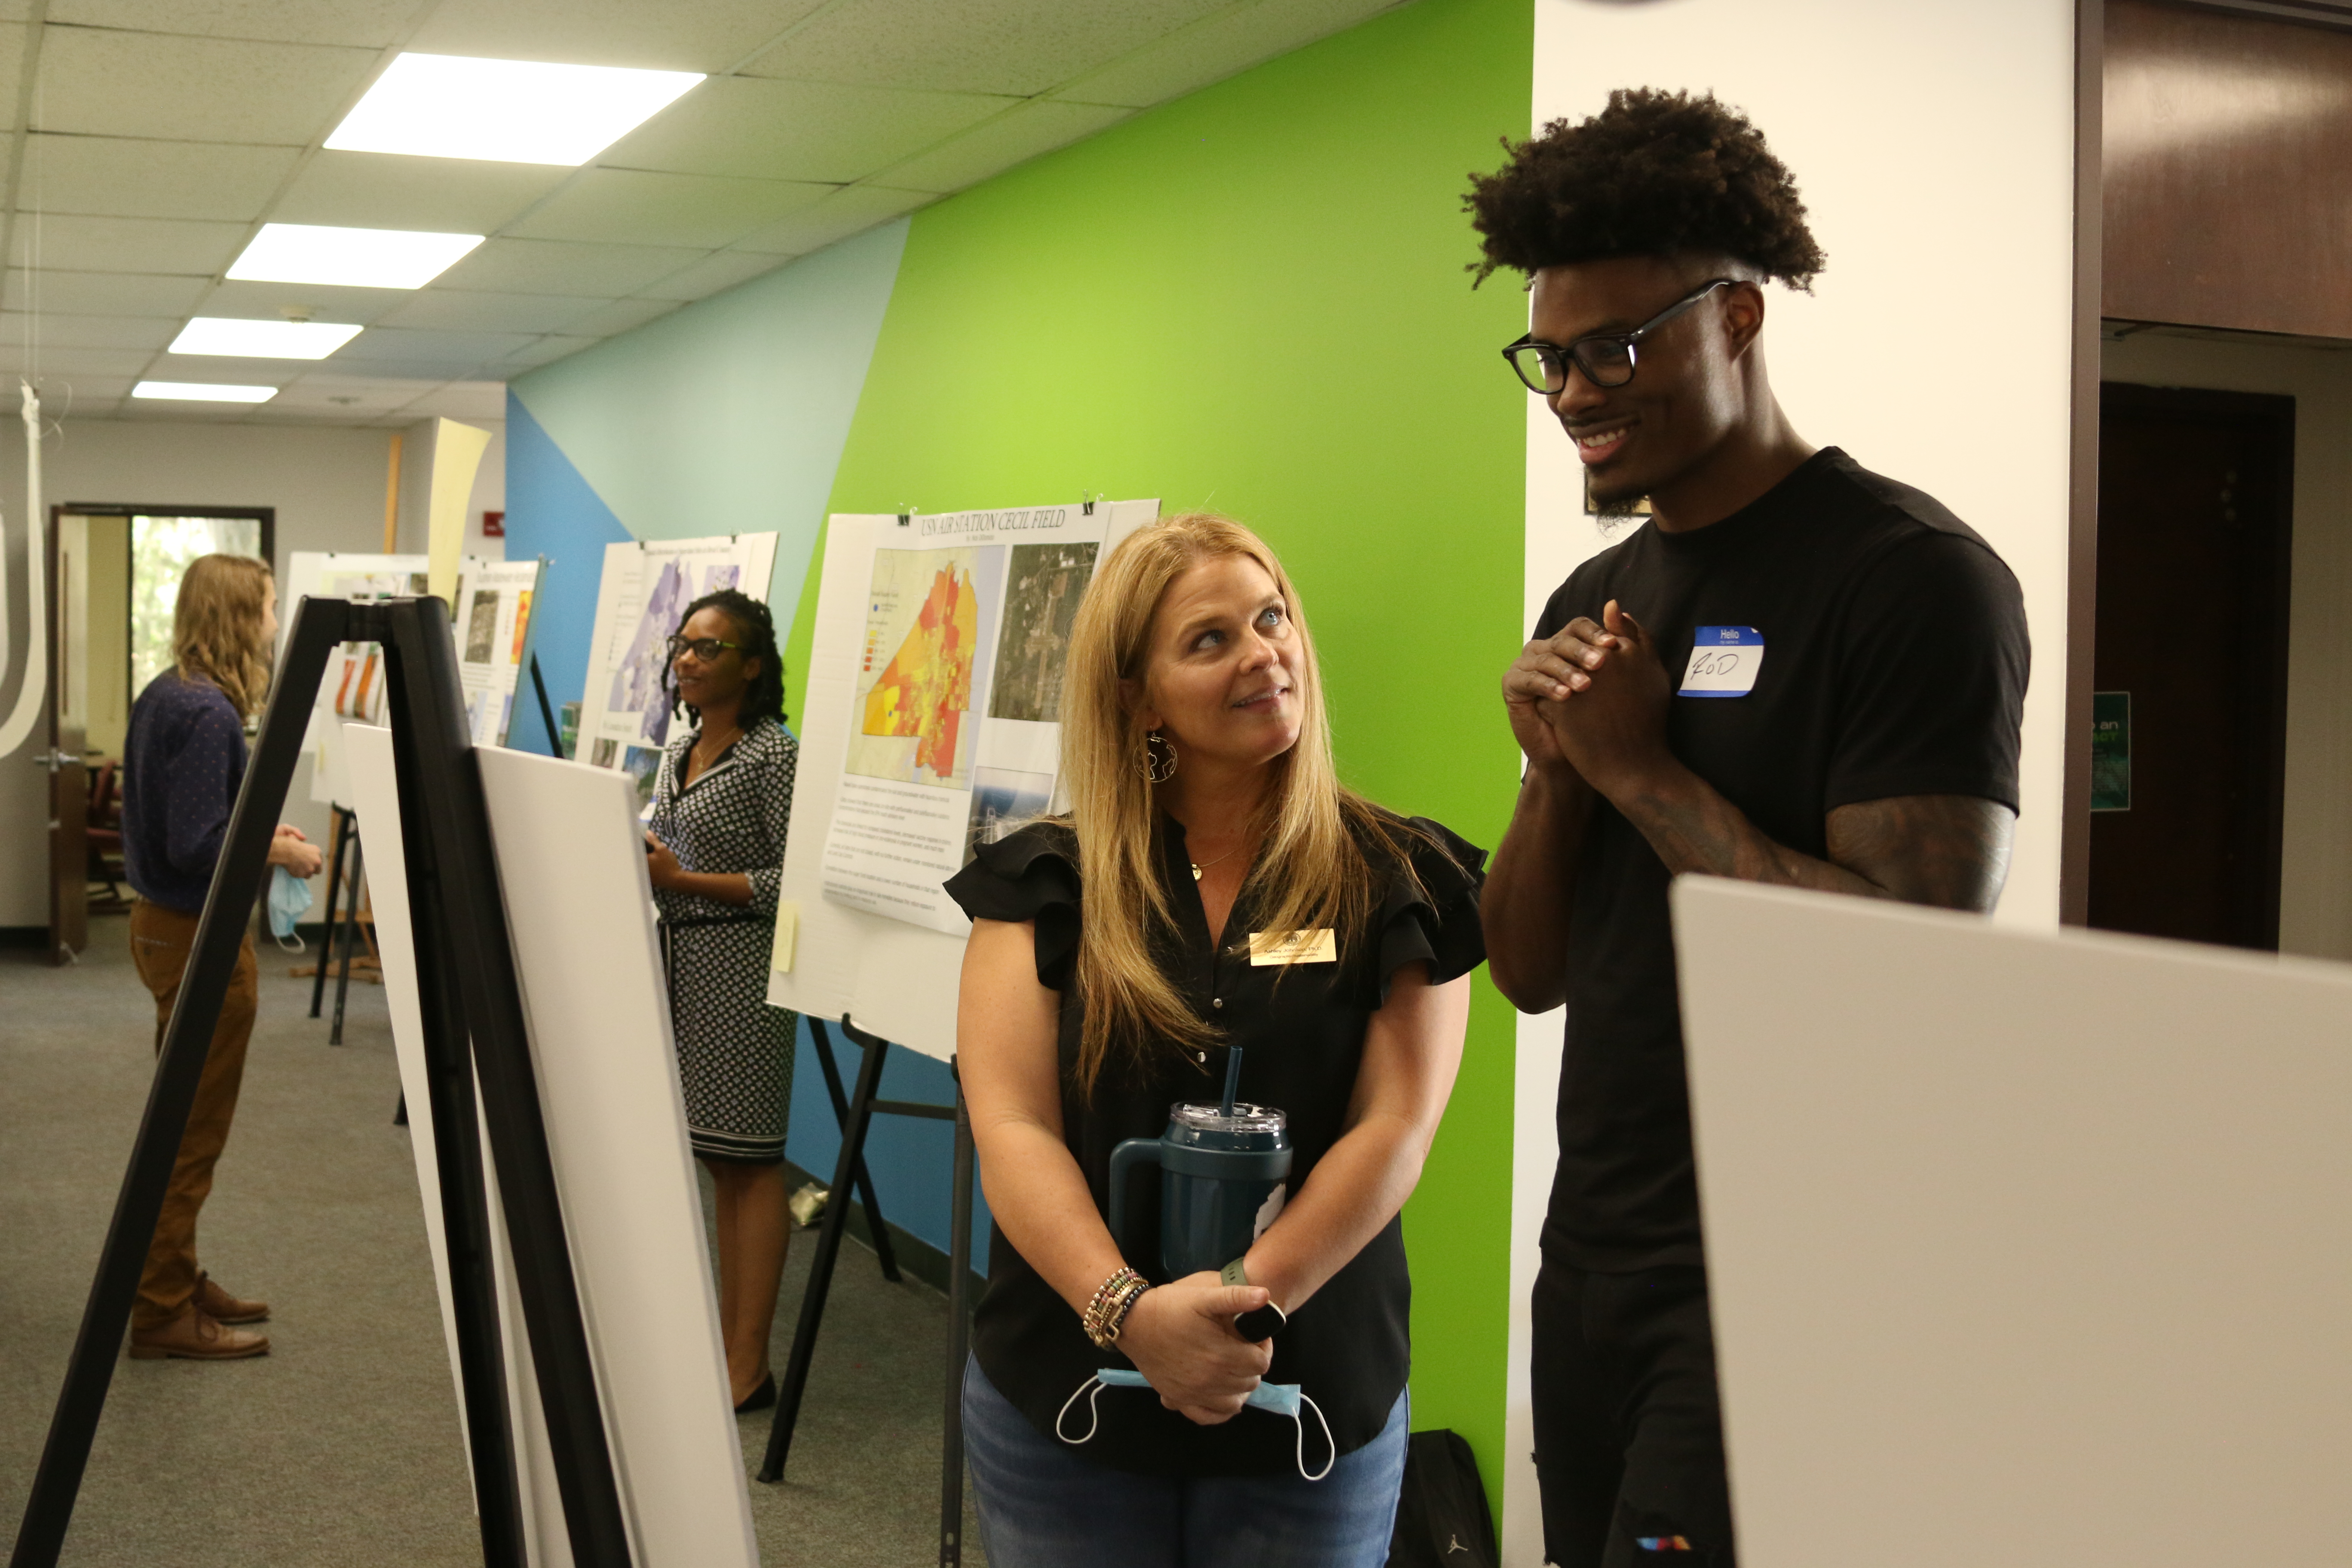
(1107, 1313)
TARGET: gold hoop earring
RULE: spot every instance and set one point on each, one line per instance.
(1158, 758)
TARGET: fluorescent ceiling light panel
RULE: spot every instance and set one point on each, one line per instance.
(511, 111)
(350, 258)
(203, 392)
(262, 339)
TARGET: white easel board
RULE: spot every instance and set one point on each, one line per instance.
(641, 598)
(892, 977)
(353, 687)
(579, 913)
(2026, 1248)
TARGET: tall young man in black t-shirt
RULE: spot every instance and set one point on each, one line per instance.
(1795, 672)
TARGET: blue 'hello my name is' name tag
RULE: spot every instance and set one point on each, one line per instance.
(1723, 662)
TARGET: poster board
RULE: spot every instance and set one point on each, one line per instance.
(493, 629)
(589, 972)
(646, 584)
(353, 687)
(837, 954)
(2026, 1247)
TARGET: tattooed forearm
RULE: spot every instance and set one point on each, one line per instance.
(1946, 850)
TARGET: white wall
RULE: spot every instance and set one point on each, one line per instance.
(2316, 870)
(1934, 144)
(327, 485)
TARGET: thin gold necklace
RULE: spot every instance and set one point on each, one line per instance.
(1200, 865)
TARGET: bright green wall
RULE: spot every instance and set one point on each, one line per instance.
(1254, 299)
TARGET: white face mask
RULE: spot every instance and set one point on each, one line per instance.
(1282, 1398)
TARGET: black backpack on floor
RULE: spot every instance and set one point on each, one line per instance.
(1442, 1516)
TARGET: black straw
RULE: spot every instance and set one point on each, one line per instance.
(1233, 1076)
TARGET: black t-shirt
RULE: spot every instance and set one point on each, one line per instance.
(1894, 663)
(1302, 1040)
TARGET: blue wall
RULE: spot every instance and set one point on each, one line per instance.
(554, 512)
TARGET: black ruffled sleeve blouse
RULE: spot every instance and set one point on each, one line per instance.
(1303, 1040)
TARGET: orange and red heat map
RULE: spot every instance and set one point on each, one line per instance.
(926, 690)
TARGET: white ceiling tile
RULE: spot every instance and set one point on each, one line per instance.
(148, 84)
(12, 63)
(721, 269)
(122, 177)
(15, 10)
(222, 367)
(365, 24)
(1036, 127)
(356, 395)
(103, 293)
(475, 402)
(125, 244)
(630, 206)
(850, 211)
(823, 131)
(244, 297)
(386, 190)
(473, 311)
(547, 351)
(675, 34)
(621, 315)
(1019, 48)
(51, 330)
(561, 267)
(1218, 46)
(394, 344)
(157, 411)
(436, 369)
(16, 358)
(63, 396)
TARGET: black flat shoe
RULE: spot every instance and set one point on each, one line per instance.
(758, 1398)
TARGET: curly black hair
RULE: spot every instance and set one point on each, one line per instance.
(1653, 174)
(755, 628)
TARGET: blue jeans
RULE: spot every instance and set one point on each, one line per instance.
(1044, 1505)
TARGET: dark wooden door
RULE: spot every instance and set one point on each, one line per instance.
(69, 706)
(2196, 496)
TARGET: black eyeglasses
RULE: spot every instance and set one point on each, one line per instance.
(1606, 359)
(705, 648)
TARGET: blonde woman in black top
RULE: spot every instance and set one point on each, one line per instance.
(1109, 974)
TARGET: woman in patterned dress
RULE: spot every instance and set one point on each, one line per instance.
(722, 803)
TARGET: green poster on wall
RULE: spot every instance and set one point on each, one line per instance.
(2111, 750)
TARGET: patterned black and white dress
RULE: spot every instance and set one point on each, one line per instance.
(734, 1051)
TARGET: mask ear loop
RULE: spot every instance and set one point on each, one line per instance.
(1094, 1412)
(1330, 1448)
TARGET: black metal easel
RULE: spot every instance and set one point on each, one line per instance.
(474, 1030)
(342, 938)
(856, 1119)
(346, 826)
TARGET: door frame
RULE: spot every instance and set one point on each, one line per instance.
(2275, 413)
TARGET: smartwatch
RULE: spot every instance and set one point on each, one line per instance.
(1260, 1323)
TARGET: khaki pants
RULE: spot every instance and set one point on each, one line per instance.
(161, 940)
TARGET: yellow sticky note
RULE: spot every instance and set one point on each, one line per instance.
(1293, 947)
(787, 936)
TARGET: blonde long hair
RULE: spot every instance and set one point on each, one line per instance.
(1311, 871)
(216, 628)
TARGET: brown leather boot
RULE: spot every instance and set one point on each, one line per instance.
(223, 1307)
(194, 1336)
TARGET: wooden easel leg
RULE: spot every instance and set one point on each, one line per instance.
(959, 1341)
(828, 1249)
(874, 1226)
(350, 938)
(334, 883)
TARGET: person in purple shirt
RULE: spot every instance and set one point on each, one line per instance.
(182, 762)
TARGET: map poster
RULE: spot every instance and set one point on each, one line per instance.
(353, 689)
(625, 712)
(953, 720)
(493, 630)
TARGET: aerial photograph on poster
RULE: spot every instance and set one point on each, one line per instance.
(1043, 586)
(913, 718)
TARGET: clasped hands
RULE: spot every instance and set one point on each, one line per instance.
(1592, 697)
(1181, 1338)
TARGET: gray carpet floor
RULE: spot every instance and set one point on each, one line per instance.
(342, 1447)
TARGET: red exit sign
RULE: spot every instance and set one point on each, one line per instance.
(494, 525)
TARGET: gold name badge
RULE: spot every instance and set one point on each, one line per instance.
(1293, 947)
